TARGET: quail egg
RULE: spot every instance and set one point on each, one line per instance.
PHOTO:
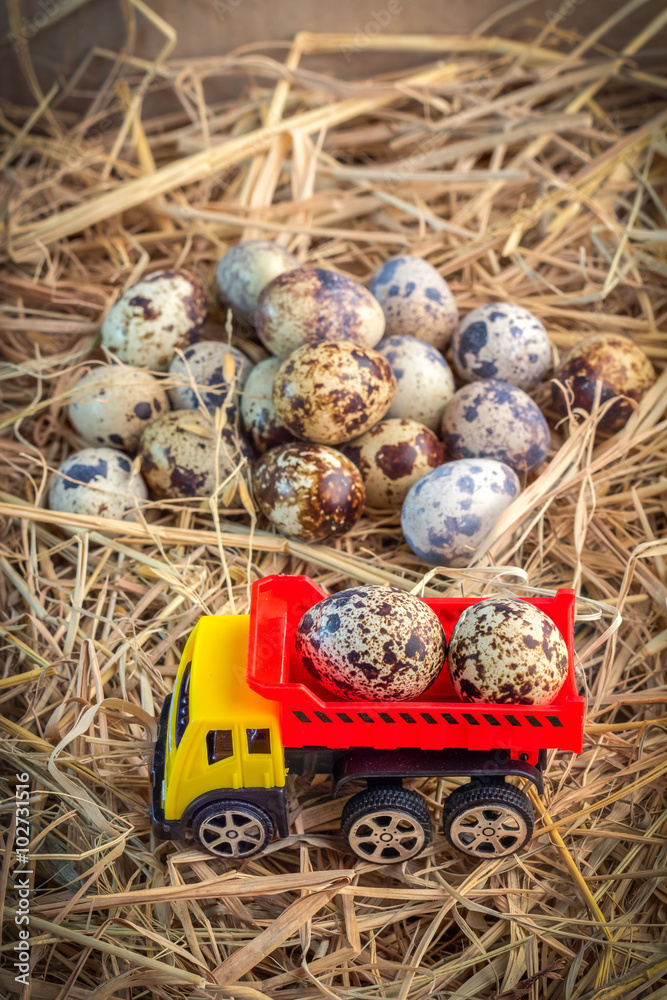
(424, 380)
(312, 305)
(112, 404)
(504, 342)
(181, 457)
(391, 457)
(450, 511)
(99, 482)
(372, 643)
(199, 374)
(308, 491)
(333, 391)
(163, 311)
(246, 270)
(615, 361)
(416, 299)
(259, 415)
(507, 651)
(494, 419)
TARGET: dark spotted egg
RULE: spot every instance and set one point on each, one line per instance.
(416, 299)
(163, 311)
(332, 392)
(494, 419)
(100, 482)
(181, 457)
(504, 342)
(507, 651)
(201, 375)
(111, 405)
(262, 424)
(246, 269)
(372, 643)
(313, 305)
(615, 361)
(308, 491)
(424, 380)
(391, 457)
(452, 509)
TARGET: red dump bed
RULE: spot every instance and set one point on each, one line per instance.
(313, 716)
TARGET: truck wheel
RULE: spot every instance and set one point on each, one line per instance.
(488, 821)
(386, 824)
(233, 829)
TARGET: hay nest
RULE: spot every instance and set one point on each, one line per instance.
(528, 171)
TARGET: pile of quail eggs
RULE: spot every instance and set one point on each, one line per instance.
(356, 405)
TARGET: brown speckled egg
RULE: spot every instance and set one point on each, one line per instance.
(178, 455)
(333, 391)
(246, 269)
(372, 643)
(615, 361)
(507, 651)
(496, 420)
(391, 456)
(312, 305)
(261, 422)
(449, 512)
(504, 342)
(424, 380)
(416, 300)
(163, 311)
(308, 491)
(199, 374)
(111, 405)
(98, 482)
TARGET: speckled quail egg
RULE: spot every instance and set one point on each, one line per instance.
(333, 391)
(312, 305)
(391, 457)
(417, 301)
(180, 454)
(494, 419)
(112, 404)
(308, 491)
(507, 651)
(372, 643)
(246, 269)
(261, 422)
(451, 510)
(98, 482)
(424, 380)
(504, 342)
(615, 361)
(163, 311)
(199, 374)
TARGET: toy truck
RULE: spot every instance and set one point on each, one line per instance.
(245, 714)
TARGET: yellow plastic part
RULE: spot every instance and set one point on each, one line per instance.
(221, 702)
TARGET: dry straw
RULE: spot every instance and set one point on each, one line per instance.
(528, 168)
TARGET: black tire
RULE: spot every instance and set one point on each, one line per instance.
(232, 829)
(386, 824)
(488, 821)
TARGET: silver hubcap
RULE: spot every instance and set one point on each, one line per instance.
(233, 834)
(491, 830)
(386, 836)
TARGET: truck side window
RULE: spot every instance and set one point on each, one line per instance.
(183, 707)
(259, 740)
(219, 744)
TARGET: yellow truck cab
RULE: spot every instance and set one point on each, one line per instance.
(217, 736)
